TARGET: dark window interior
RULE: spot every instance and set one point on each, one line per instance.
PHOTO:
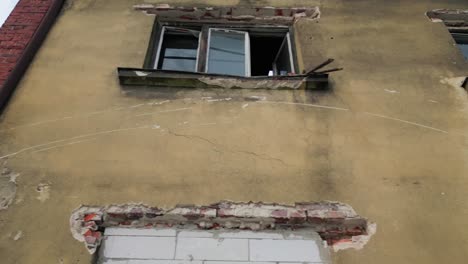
(462, 41)
(263, 50)
(178, 52)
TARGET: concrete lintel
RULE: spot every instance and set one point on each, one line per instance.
(179, 79)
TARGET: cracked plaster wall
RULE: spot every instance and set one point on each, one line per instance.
(389, 137)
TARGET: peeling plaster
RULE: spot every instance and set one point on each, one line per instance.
(456, 82)
(232, 14)
(44, 192)
(7, 186)
(18, 235)
(252, 84)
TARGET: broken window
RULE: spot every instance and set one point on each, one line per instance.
(225, 49)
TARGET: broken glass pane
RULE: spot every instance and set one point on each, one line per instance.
(226, 54)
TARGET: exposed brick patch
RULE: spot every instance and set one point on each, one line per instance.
(259, 15)
(337, 223)
(20, 37)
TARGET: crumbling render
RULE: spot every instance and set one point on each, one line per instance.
(258, 15)
(253, 83)
(7, 186)
(455, 82)
(336, 223)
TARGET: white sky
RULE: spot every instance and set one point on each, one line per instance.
(6, 6)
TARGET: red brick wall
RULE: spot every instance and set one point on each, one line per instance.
(20, 37)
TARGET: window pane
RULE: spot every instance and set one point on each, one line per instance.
(464, 49)
(178, 64)
(462, 41)
(227, 53)
(178, 52)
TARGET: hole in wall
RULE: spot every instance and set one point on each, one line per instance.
(337, 224)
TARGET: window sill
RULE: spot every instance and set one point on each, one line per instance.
(192, 80)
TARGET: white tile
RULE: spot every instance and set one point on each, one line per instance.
(298, 262)
(117, 231)
(164, 262)
(195, 234)
(212, 249)
(237, 262)
(115, 261)
(284, 250)
(150, 261)
(295, 236)
(129, 247)
(251, 234)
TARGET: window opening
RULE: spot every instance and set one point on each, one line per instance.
(238, 51)
(263, 50)
(178, 49)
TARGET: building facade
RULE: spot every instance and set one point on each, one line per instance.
(95, 113)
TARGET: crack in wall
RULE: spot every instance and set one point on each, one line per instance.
(223, 149)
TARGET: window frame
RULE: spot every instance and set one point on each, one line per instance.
(247, 63)
(287, 40)
(161, 41)
(157, 37)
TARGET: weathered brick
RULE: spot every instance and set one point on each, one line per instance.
(17, 32)
(93, 217)
(153, 212)
(92, 237)
(193, 212)
(135, 214)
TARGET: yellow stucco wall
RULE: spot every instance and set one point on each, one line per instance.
(393, 142)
